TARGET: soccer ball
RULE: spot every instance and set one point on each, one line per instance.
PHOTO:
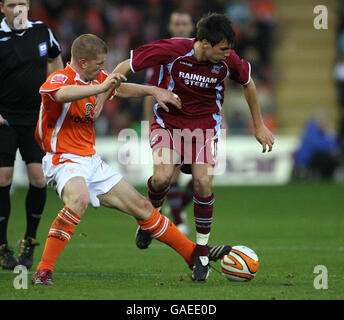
(240, 264)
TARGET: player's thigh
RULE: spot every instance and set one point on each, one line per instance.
(75, 195)
(202, 179)
(127, 199)
(35, 174)
(8, 149)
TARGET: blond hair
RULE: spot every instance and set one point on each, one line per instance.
(88, 46)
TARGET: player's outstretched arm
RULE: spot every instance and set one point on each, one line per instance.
(76, 92)
(127, 90)
(124, 69)
(162, 96)
(261, 132)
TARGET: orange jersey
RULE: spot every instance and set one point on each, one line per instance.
(67, 127)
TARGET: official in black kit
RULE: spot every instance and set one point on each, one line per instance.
(28, 51)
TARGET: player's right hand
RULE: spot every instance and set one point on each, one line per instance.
(265, 138)
(113, 81)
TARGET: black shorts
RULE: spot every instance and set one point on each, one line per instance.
(22, 137)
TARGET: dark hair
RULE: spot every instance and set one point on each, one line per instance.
(215, 28)
(88, 46)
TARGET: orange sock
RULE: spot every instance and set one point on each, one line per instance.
(59, 234)
(162, 229)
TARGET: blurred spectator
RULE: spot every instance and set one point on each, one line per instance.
(318, 153)
(255, 23)
(237, 123)
(240, 13)
(264, 13)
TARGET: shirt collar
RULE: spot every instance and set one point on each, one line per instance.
(77, 75)
(4, 26)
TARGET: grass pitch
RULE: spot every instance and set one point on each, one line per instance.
(292, 228)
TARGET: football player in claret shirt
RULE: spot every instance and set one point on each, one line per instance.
(180, 26)
(194, 70)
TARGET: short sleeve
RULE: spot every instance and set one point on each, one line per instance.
(160, 52)
(54, 82)
(239, 69)
(54, 49)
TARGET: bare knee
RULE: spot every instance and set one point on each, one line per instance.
(6, 176)
(35, 175)
(37, 181)
(203, 186)
(161, 180)
(78, 202)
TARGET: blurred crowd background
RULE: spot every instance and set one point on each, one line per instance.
(127, 24)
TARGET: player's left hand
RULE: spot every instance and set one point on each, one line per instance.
(264, 137)
(164, 96)
(113, 81)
